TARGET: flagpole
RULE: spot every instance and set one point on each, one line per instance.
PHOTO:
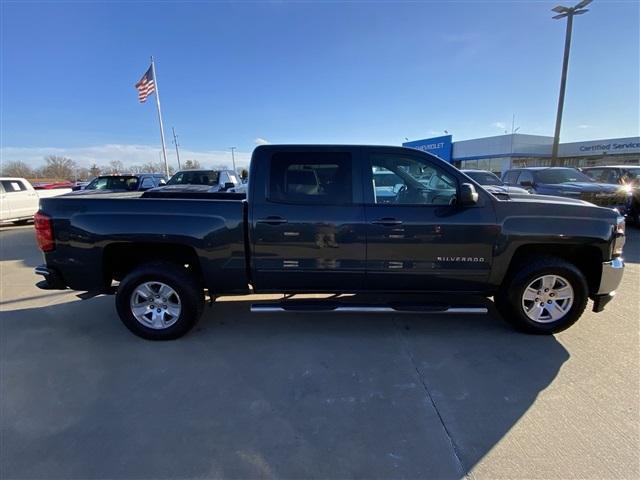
(164, 149)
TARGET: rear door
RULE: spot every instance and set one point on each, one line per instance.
(419, 239)
(308, 225)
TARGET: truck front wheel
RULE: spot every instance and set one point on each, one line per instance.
(544, 296)
(159, 301)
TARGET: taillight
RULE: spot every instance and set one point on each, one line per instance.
(44, 232)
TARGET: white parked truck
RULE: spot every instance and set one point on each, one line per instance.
(19, 200)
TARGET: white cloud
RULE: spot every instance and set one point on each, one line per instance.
(500, 125)
(585, 126)
(130, 154)
(261, 141)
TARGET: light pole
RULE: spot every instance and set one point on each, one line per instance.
(233, 158)
(562, 12)
(175, 142)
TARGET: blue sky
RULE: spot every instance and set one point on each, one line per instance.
(292, 72)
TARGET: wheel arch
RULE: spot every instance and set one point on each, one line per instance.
(119, 259)
(588, 259)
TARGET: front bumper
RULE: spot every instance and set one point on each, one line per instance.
(609, 281)
(611, 276)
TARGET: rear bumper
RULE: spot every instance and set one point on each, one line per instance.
(52, 279)
(609, 281)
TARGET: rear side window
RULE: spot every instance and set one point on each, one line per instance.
(13, 186)
(525, 176)
(313, 177)
(511, 177)
(148, 182)
(598, 174)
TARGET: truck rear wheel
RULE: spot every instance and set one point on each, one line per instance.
(159, 301)
(544, 296)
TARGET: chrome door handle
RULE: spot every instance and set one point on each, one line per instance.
(387, 222)
(273, 220)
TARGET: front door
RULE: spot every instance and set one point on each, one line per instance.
(417, 237)
(308, 233)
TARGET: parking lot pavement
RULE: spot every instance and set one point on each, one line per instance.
(323, 396)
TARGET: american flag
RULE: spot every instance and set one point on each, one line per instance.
(146, 85)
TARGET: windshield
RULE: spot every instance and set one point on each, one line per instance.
(485, 178)
(116, 182)
(562, 175)
(195, 177)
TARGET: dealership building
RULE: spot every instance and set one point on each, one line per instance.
(502, 152)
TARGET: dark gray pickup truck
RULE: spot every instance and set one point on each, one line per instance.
(314, 220)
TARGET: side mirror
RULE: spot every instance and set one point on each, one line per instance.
(468, 194)
(526, 184)
(229, 185)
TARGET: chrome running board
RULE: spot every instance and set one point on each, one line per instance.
(333, 307)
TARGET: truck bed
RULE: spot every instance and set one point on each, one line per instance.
(99, 232)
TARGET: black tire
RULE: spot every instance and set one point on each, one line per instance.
(189, 291)
(509, 300)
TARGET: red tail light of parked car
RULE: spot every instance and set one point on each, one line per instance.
(44, 232)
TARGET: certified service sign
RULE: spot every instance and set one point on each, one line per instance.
(438, 146)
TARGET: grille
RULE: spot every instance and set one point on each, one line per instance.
(602, 199)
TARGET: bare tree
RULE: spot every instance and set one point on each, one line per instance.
(153, 167)
(192, 165)
(115, 166)
(61, 168)
(156, 167)
(17, 169)
(94, 171)
(82, 173)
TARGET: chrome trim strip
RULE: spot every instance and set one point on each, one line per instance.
(347, 309)
(467, 310)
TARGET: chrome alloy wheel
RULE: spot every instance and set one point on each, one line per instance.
(547, 299)
(155, 305)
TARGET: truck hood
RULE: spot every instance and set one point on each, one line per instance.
(547, 199)
(580, 187)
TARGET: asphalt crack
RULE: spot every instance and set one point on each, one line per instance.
(404, 345)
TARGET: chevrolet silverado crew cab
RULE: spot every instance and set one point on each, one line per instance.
(314, 220)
